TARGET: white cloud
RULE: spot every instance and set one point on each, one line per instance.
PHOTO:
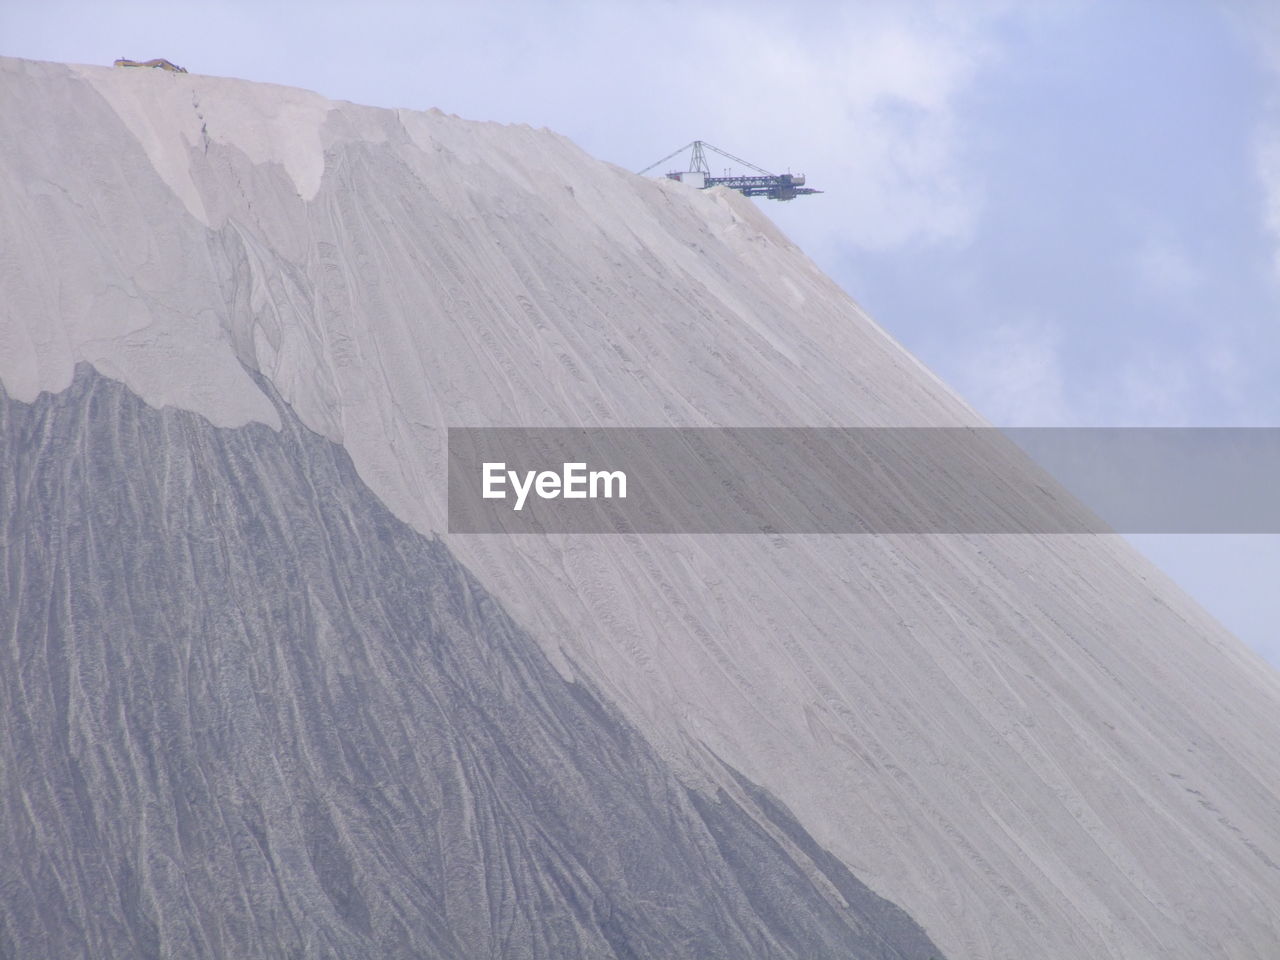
(1268, 169)
(1014, 377)
(1164, 270)
(1155, 391)
(863, 98)
(1259, 23)
(868, 111)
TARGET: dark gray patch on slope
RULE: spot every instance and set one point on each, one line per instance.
(248, 713)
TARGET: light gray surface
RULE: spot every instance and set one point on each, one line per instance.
(1037, 746)
(248, 713)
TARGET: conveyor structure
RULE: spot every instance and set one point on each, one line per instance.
(761, 183)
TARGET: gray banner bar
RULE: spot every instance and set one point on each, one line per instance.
(885, 480)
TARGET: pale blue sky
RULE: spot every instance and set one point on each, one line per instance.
(1069, 209)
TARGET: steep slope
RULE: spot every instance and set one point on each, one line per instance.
(249, 713)
(1036, 746)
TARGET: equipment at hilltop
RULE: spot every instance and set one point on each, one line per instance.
(772, 186)
(160, 62)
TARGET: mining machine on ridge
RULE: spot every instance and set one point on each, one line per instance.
(771, 186)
